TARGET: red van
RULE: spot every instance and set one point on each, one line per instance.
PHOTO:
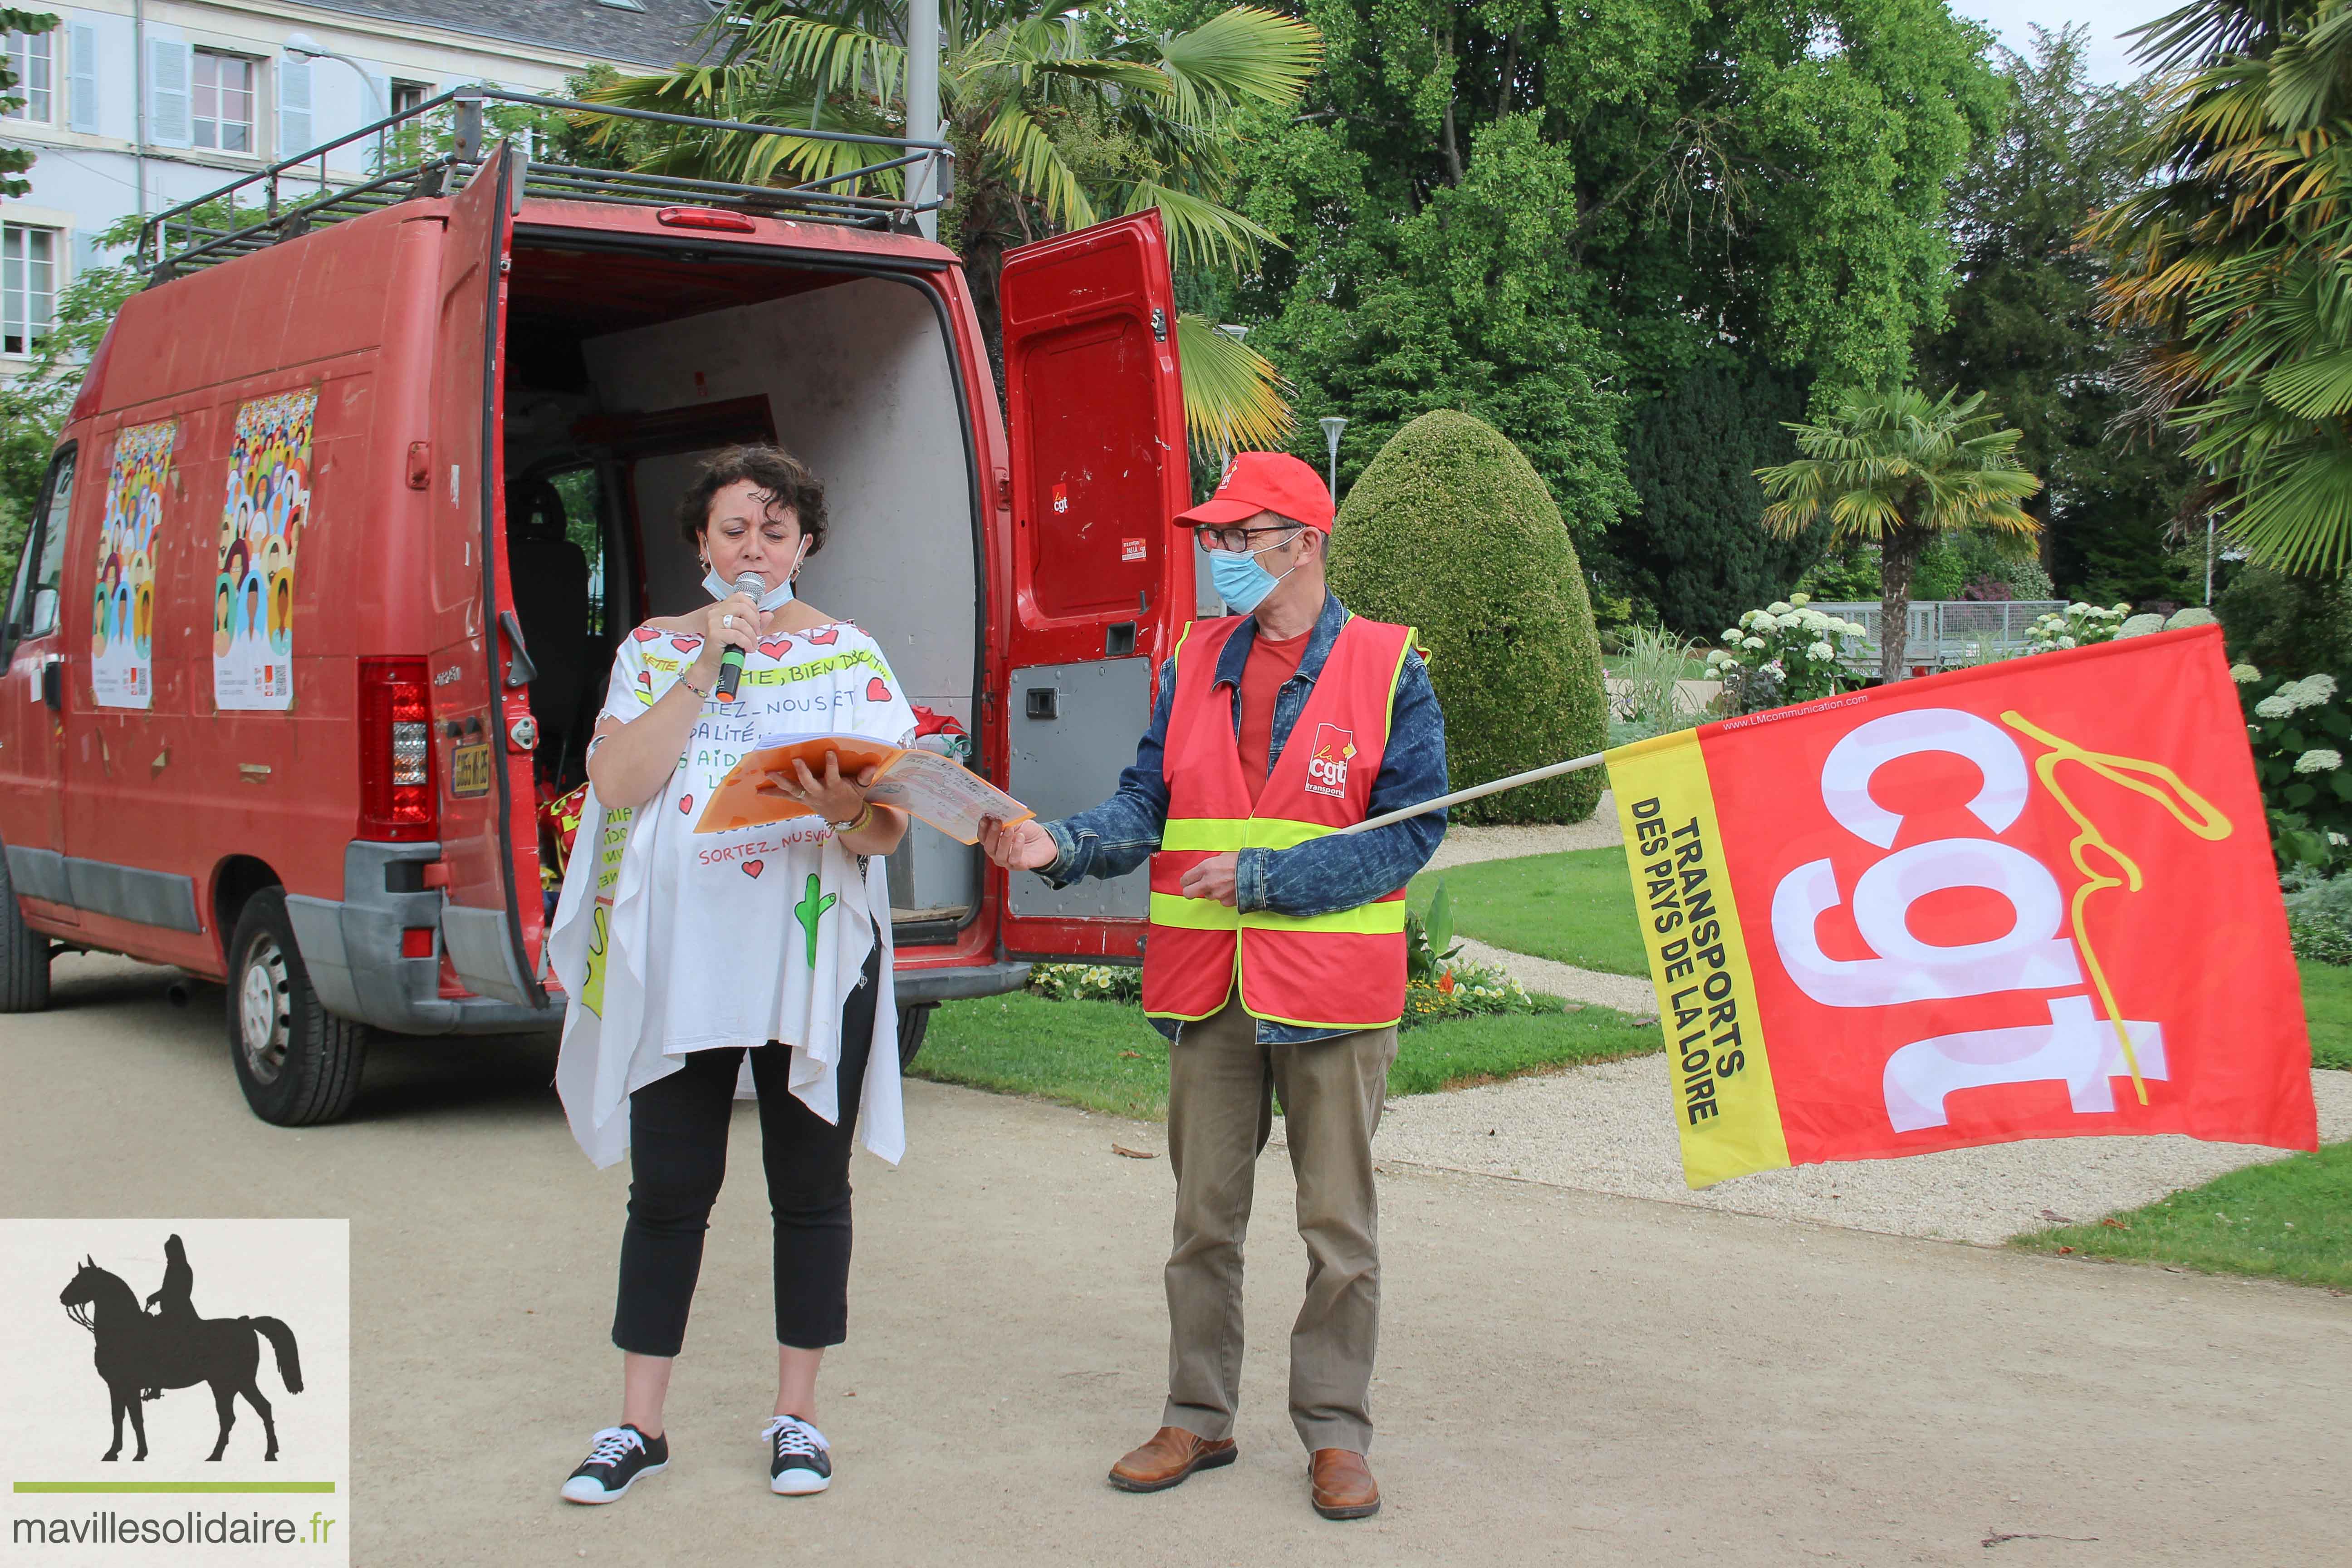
(324, 584)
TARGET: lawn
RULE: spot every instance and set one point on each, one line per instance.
(1103, 1055)
(2289, 1220)
(1576, 908)
(2327, 1007)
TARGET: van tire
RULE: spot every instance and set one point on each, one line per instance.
(914, 1022)
(24, 955)
(302, 1065)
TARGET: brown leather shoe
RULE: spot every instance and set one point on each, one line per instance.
(1171, 1456)
(1343, 1485)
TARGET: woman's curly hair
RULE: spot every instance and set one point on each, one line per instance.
(785, 477)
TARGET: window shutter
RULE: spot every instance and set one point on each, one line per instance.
(294, 129)
(81, 84)
(168, 69)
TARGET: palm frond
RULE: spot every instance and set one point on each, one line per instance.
(1242, 53)
(1232, 394)
(1036, 165)
(1199, 231)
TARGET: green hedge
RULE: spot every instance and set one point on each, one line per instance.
(1450, 529)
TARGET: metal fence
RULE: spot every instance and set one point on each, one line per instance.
(1946, 634)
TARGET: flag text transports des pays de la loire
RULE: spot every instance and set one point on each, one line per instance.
(2031, 899)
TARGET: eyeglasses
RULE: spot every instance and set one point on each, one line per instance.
(1239, 540)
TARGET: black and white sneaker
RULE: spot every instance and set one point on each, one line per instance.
(799, 1461)
(620, 1458)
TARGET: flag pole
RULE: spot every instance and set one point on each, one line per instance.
(1574, 764)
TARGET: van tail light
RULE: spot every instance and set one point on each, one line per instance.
(706, 217)
(397, 800)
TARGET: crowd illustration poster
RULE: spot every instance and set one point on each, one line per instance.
(123, 605)
(260, 536)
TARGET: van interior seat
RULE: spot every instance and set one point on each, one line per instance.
(550, 577)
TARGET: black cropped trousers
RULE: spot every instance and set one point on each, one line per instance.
(677, 1134)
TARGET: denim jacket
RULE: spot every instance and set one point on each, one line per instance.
(1319, 876)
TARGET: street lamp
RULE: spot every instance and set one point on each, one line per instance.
(303, 46)
(1332, 424)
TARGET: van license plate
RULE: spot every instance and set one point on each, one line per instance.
(469, 768)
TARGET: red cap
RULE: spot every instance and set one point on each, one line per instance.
(1265, 481)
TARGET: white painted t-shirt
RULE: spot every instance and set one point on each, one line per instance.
(733, 938)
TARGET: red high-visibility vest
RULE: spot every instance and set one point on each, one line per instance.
(1338, 971)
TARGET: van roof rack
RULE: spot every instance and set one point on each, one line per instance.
(297, 196)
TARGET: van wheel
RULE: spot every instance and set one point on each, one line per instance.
(298, 1063)
(24, 955)
(914, 1022)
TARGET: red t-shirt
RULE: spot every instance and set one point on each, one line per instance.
(1270, 664)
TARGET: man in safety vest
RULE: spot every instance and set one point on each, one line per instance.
(1276, 960)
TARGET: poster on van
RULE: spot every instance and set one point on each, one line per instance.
(260, 536)
(123, 603)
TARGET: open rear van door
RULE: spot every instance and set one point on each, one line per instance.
(492, 920)
(1102, 583)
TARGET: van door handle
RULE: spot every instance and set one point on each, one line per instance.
(521, 671)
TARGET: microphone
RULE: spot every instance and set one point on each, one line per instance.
(730, 663)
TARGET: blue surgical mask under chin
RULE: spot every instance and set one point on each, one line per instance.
(718, 588)
(1241, 582)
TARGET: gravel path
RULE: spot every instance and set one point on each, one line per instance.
(1626, 993)
(1464, 846)
(1606, 1129)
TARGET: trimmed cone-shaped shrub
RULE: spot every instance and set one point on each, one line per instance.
(1450, 529)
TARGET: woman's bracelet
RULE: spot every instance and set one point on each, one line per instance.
(855, 823)
(691, 686)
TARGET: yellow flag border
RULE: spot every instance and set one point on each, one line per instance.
(1725, 1111)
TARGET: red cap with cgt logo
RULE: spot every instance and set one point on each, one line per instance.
(1265, 481)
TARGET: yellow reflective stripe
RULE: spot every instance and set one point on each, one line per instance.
(1195, 914)
(1282, 833)
(1383, 919)
(1388, 715)
(1215, 834)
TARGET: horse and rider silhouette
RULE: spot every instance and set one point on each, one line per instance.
(174, 1348)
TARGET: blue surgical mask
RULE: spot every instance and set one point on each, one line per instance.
(1241, 582)
(719, 587)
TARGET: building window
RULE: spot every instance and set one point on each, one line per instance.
(28, 285)
(223, 110)
(408, 97)
(32, 55)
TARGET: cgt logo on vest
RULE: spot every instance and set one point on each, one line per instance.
(1327, 765)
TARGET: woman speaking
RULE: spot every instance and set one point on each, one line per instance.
(683, 954)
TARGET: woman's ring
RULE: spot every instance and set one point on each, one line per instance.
(727, 621)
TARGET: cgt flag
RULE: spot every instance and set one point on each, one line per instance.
(2032, 900)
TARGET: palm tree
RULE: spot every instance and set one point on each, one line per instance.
(1058, 121)
(1898, 469)
(2236, 262)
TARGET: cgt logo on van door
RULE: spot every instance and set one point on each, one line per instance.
(1327, 765)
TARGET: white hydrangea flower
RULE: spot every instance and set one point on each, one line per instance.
(2244, 674)
(1777, 608)
(2320, 759)
(2338, 839)
(1801, 598)
(1775, 670)
(1751, 644)
(1730, 634)
(2066, 642)
(1790, 621)
(1821, 651)
(1715, 657)
(2278, 705)
(2317, 688)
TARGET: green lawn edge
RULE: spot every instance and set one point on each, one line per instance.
(2288, 1219)
(1106, 1056)
(1573, 907)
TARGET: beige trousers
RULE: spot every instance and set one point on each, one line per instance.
(1220, 1088)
